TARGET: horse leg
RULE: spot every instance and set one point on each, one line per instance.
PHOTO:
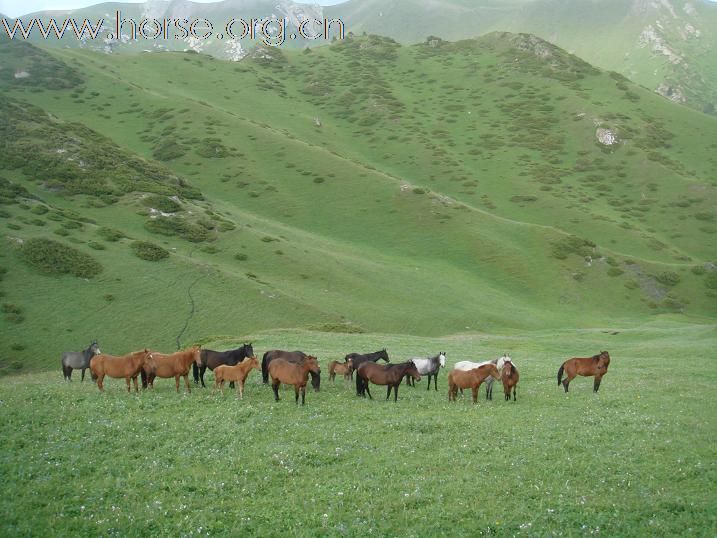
(136, 387)
(68, 373)
(596, 384)
(388, 392)
(515, 390)
(241, 390)
(395, 393)
(475, 394)
(201, 374)
(195, 373)
(367, 390)
(303, 395)
(567, 381)
(186, 382)
(100, 382)
(275, 387)
(83, 375)
(296, 394)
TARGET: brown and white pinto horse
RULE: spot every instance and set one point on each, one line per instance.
(590, 366)
(127, 366)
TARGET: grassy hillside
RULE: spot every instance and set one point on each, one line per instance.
(667, 46)
(428, 190)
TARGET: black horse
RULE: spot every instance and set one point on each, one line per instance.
(211, 359)
(290, 356)
(358, 359)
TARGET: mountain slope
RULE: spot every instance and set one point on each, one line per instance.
(481, 185)
(665, 45)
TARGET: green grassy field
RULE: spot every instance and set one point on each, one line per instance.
(637, 458)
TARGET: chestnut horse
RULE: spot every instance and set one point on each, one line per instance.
(590, 366)
(291, 356)
(174, 365)
(346, 369)
(384, 374)
(470, 379)
(289, 373)
(509, 376)
(238, 373)
(127, 366)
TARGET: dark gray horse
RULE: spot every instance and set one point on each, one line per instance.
(78, 360)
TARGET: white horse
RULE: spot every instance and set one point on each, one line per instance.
(429, 367)
(499, 363)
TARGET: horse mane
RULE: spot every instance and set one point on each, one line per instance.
(596, 357)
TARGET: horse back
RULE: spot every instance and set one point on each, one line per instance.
(287, 372)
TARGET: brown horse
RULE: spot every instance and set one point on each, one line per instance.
(384, 374)
(470, 379)
(235, 373)
(346, 369)
(127, 366)
(590, 366)
(289, 373)
(174, 365)
(509, 377)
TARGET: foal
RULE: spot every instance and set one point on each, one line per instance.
(344, 368)
(238, 373)
(509, 377)
(470, 379)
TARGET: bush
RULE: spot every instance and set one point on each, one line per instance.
(668, 278)
(162, 203)
(56, 258)
(95, 245)
(173, 226)
(110, 234)
(149, 251)
(711, 280)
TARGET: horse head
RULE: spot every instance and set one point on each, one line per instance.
(413, 371)
(442, 359)
(196, 352)
(312, 364)
(253, 362)
(383, 354)
(248, 349)
(604, 358)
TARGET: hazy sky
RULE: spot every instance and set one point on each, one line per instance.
(15, 8)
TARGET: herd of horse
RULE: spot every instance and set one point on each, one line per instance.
(295, 367)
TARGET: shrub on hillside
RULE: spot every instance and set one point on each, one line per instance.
(668, 278)
(162, 203)
(149, 251)
(56, 258)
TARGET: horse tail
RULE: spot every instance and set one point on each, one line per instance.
(143, 374)
(359, 385)
(560, 373)
(195, 373)
(265, 368)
